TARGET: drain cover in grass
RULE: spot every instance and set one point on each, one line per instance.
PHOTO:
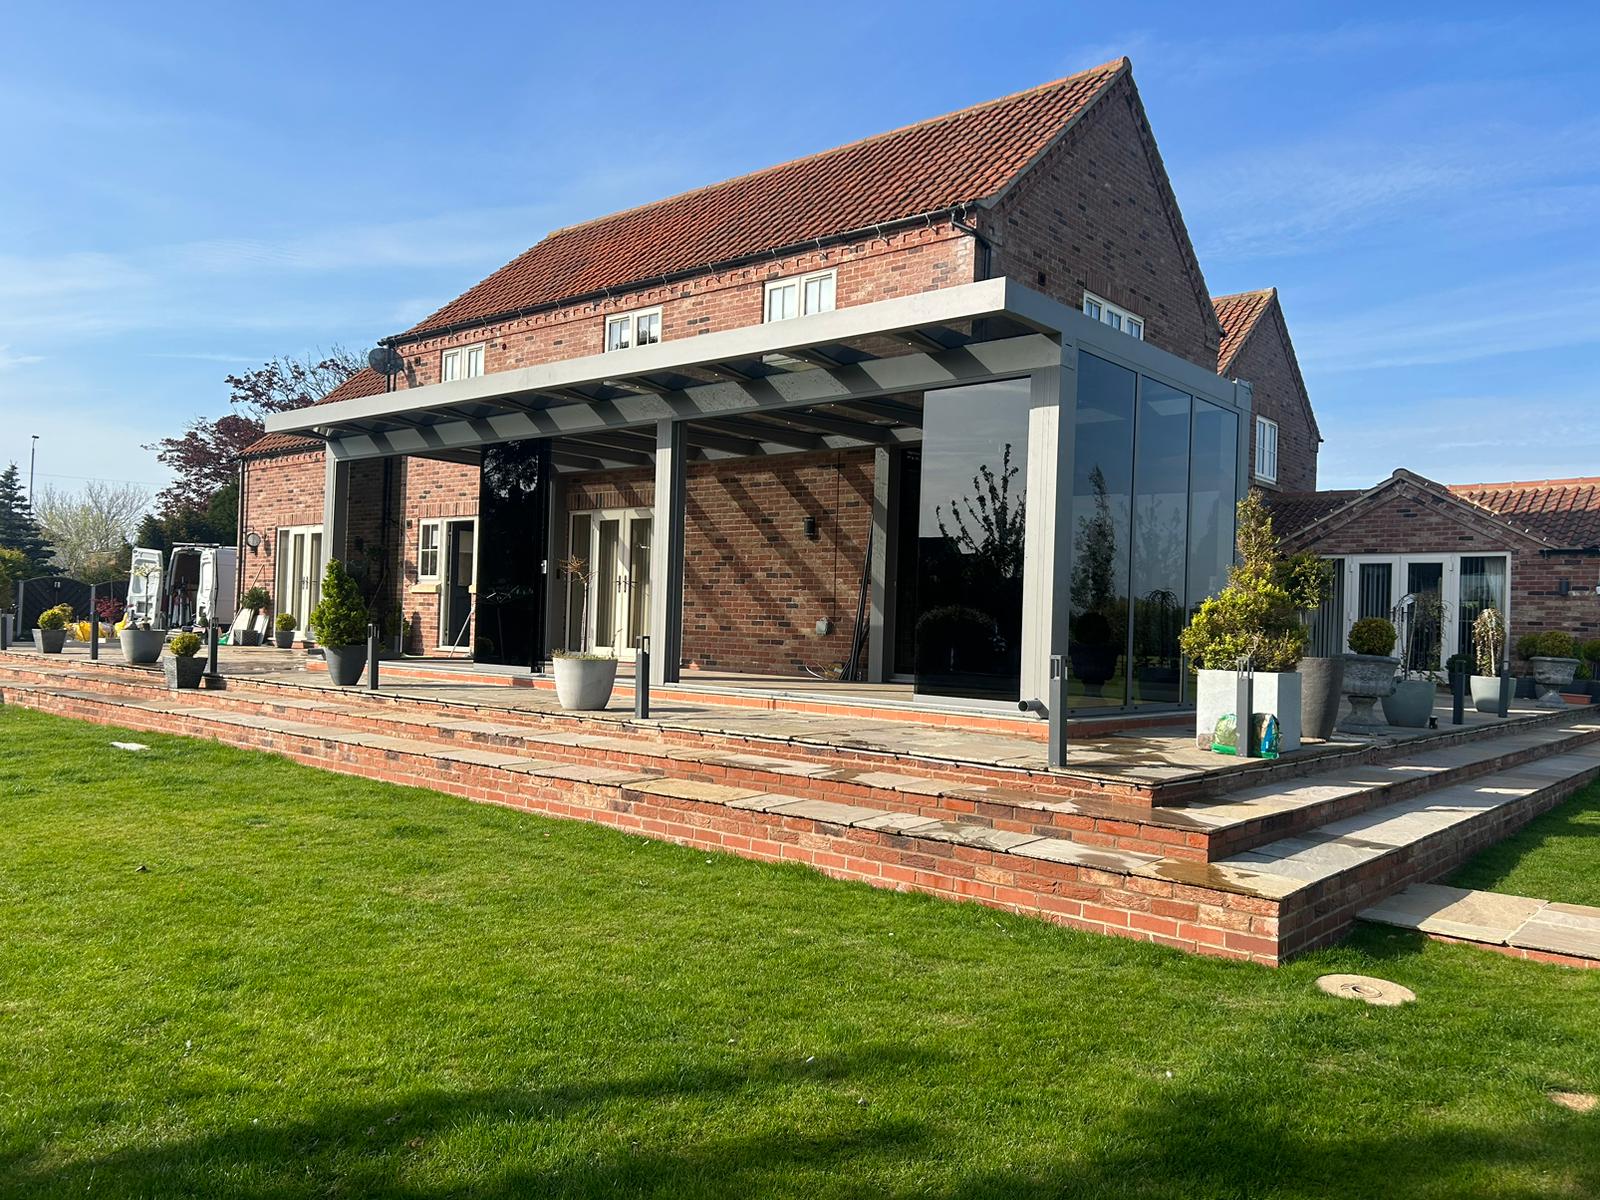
(1579, 1102)
(1366, 988)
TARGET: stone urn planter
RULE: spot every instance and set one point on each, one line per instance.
(1485, 693)
(1410, 704)
(1321, 693)
(345, 663)
(49, 641)
(1552, 675)
(1274, 692)
(584, 682)
(141, 647)
(1368, 678)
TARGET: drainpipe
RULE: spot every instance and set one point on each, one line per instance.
(241, 525)
(985, 258)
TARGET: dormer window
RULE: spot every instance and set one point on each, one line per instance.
(800, 296)
(461, 362)
(625, 330)
(1113, 315)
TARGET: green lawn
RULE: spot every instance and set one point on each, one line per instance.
(1556, 857)
(319, 986)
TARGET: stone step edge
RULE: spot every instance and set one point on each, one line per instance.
(1568, 934)
(1060, 882)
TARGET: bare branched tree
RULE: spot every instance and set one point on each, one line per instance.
(91, 528)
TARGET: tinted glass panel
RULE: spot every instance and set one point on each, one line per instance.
(1214, 483)
(969, 543)
(513, 524)
(1102, 491)
(1160, 540)
(1376, 597)
(1425, 585)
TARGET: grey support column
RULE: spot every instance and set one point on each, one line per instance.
(1047, 537)
(335, 508)
(880, 616)
(666, 555)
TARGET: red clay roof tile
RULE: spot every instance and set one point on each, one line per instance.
(1563, 511)
(1238, 315)
(365, 382)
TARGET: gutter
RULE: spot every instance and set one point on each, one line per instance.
(952, 214)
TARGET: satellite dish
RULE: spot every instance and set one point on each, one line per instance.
(384, 360)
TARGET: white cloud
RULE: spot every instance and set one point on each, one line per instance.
(9, 360)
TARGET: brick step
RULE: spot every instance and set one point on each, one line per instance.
(1227, 912)
(1328, 875)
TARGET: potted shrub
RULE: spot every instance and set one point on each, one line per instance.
(51, 633)
(256, 600)
(1410, 704)
(1254, 623)
(583, 680)
(1489, 647)
(141, 645)
(1554, 661)
(183, 669)
(283, 631)
(340, 623)
(1368, 672)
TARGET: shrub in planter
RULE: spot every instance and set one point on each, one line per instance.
(183, 669)
(1255, 621)
(51, 633)
(1489, 647)
(340, 623)
(1590, 652)
(1368, 671)
(283, 631)
(255, 598)
(1554, 662)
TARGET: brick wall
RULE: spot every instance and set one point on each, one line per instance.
(754, 583)
(279, 491)
(1410, 519)
(1267, 362)
(1096, 213)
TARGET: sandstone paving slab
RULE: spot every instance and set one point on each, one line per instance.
(899, 822)
(762, 801)
(481, 758)
(1561, 929)
(827, 810)
(1223, 877)
(694, 789)
(1455, 912)
(590, 773)
(1060, 850)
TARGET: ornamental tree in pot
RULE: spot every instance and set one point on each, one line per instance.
(583, 680)
(340, 622)
(1368, 672)
(51, 633)
(1554, 661)
(182, 668)
(1254, 623)
(283, 631)
(1489, 648)
(1410, 704)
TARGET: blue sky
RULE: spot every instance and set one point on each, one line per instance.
(189, 190)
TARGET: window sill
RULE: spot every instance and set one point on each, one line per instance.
(424, 589)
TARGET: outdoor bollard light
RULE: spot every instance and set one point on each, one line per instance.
(1058, 711)
(1244, 683)
(641, 680)
(211, 651)
(94, 623)
(1458, 697)
(5, 631)
(1505, 688)
(372, 657)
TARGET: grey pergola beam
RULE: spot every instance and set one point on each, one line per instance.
(763, 431)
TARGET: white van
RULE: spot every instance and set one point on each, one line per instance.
(198, 585)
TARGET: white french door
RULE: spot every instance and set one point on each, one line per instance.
(1374, 586)
(299, 550)
(611, 616)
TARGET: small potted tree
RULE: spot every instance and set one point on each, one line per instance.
(256, 601)
(1368, 672)
(51, 633)
(340, 623)
(1410, 703)
(1554, 661)
(1254, 623)
(1488, 648)
(283, 631)
(583, 680)
(183, 669)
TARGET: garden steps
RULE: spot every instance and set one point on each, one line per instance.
(1519, 926)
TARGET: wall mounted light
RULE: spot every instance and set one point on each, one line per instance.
(810, 527)
(1564, 586)
(252, 539)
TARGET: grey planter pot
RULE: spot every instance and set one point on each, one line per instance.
(1486, 693)
(283, 639)
(183, 672)
(1368, 678)
(1553, 676)
(1410, 704)
(141, 647)
(1321, 689)
(49, 641)
(584, 684)
(249, 637)
(345, 663)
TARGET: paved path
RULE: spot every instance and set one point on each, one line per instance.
(1492, 919)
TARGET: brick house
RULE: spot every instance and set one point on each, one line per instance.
(1531, 549)
(794, 420)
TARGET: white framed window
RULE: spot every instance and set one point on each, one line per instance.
(800, 296)
(461, 362)
(1266, 450)
(429, 536)
(642, 328)
(1113, 315)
